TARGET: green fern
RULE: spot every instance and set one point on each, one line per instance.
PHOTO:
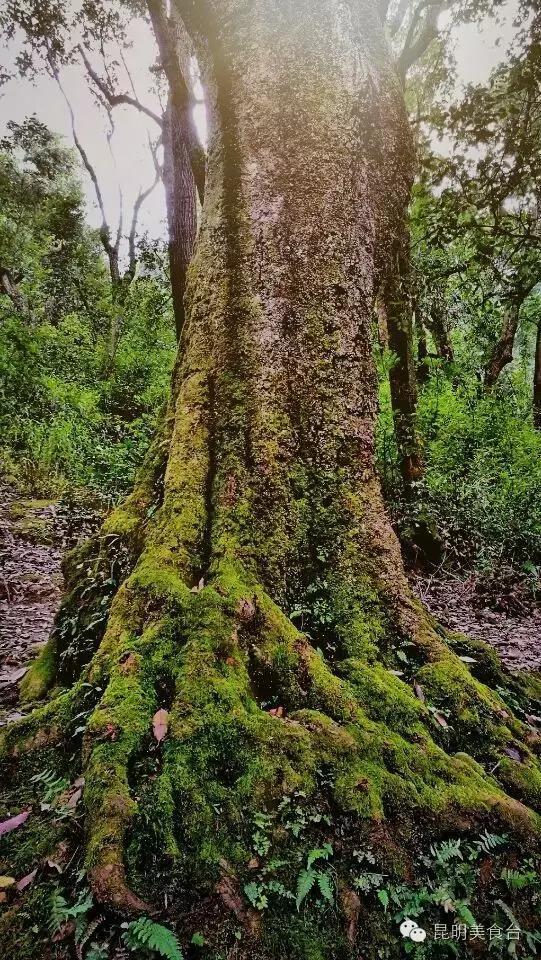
(144, 934)
(97, 952)
(325, 886)
(488, 842)
(517, 879)
(305, 882)
(446, 851)
(319, 853)
(308, 879)
(60, 911)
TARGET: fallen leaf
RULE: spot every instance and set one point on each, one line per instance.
(439, 718)
(74, 799)
(253, 864)
(160, 722)
(8, 825)
(513, 753)
(25, 882)
(467, 660)
(277, 712)
(419, 692)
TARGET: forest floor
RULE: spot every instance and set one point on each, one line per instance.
(456, 602)
(34, 535)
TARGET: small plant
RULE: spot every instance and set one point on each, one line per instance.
(519, 879)
(312, 876)
(60, 911)
(150, 938)
(54, 787)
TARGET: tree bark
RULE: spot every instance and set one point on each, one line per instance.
(254, 586)
(437, 324)
(10, 289)
(396, 298)
(180, 198)
(184, 159)
(537, 378)
(502, 353)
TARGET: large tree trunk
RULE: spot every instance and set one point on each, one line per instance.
(257, 588)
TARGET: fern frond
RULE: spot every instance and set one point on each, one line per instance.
(324, 884)
(144, 933)
(306, 881)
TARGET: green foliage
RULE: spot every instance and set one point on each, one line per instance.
(150, 938)
(60, 911)
(84, 367)
(483, 469)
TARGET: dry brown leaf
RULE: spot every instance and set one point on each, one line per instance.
(160, 722)
(25, 882)
(8, 825)
(439, 718)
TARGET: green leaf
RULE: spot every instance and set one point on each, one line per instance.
(383, 898)
(324, 884)
(305, 882)
(319, 853)
(144, 934)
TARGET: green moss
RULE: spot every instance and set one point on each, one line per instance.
(41, 674)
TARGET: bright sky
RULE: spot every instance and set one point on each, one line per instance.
(477, 52)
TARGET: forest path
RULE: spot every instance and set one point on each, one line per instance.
(34, 535)
(452, 601)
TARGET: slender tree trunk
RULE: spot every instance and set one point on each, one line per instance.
(10, 289)
(184, 160)
(502, 353)
(537, 378)
(422, 350)
(437, 324)
(259, 504)
(181, 207)
(396, 297)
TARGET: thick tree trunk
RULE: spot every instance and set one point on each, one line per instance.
(502, 353)
(254, 586)
(537, 378)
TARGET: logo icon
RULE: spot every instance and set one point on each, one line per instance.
(410, 930)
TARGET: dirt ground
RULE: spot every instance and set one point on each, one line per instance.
(453, 601)
(34, 535)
